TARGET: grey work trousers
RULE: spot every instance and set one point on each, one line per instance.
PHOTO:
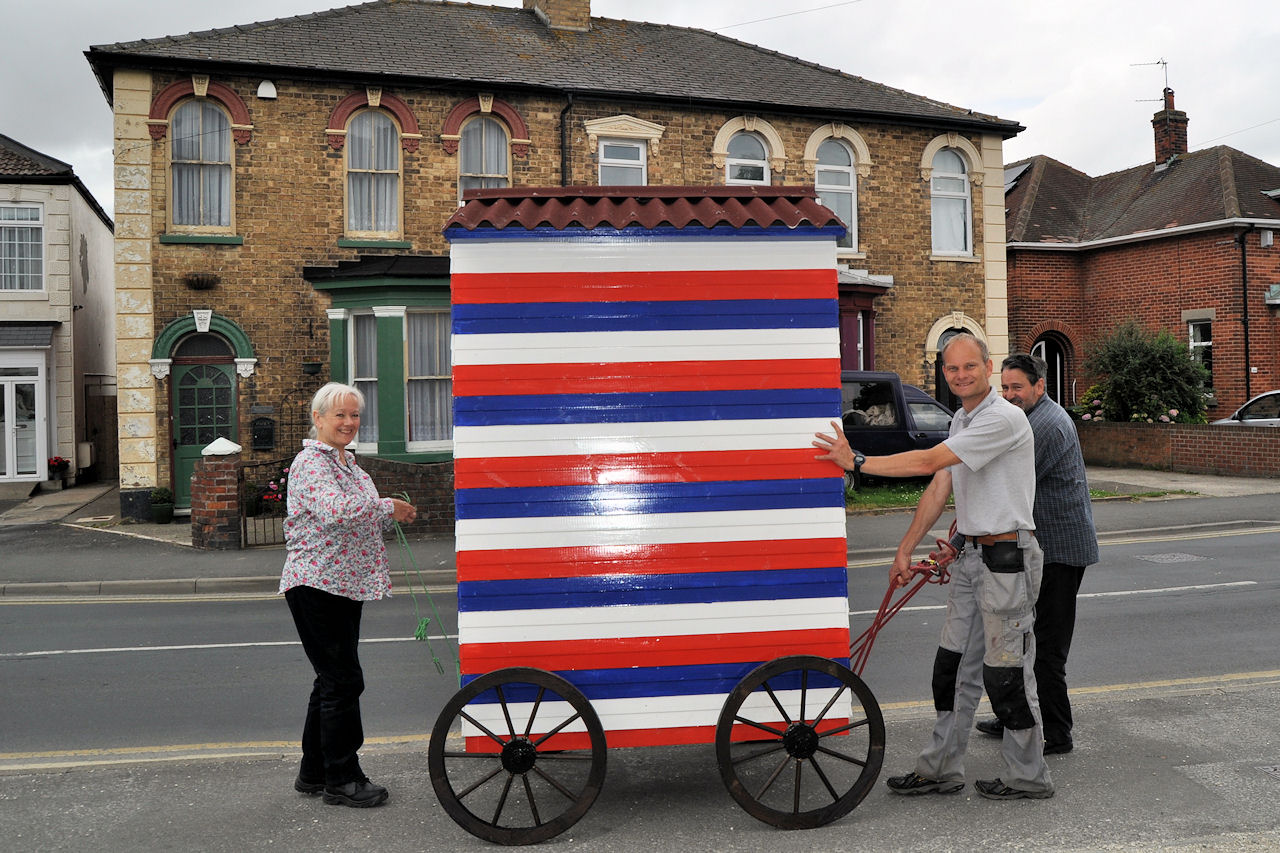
(990, 623)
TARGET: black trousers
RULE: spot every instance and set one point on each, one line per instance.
(329, 627)
(1055, 624)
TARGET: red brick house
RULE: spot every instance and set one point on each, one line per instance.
(1186, 243)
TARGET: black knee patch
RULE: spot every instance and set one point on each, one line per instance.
(945, 666)
(1008, 695)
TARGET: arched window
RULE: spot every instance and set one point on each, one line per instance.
(747, 161)
(483, 155)
(1055, 359)
(837, 186)
(373, 175)
(952, 211)
(200, 166)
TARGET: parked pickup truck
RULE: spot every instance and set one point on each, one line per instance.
(882, 414)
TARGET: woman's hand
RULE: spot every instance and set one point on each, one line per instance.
(402, 511)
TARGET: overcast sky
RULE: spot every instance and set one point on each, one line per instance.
(1075, 79)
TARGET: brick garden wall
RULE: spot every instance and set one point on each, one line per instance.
(1193, 448)
(430, 489)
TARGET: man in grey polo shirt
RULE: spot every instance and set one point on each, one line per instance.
(1065, 531)
(988, 462)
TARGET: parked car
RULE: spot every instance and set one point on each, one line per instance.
(882, 414)
(1262, 410)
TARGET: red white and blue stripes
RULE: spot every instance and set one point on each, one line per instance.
(638, 507)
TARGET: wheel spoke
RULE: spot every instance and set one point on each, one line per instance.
(533, 712)
(781, 710)
(842, 756)
(823, 776)
(761, 726)
(533, 806)
(543, 739)
(845, 728)
(553, 782)
(502, 800)
(506, 712)
(834, 698)
(795, 796)
(804, 692)
(463, 794)
(479, 725)
(768, 783)
(761, 754)
(564, 756)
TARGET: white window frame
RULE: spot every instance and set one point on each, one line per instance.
(16, 224)
(763, 162)
(850, 241)
(463, 174)
(373, 172)
(640, 164)
(228, 165)
(1201, 349)
(368, 384)
(965, 196)
(445, 377)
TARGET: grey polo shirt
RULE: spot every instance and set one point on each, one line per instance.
(1063, 512)
(995, 483)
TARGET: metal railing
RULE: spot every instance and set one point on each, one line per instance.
(263, 488)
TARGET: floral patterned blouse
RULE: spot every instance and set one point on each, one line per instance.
(333, 531)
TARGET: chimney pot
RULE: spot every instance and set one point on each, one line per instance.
(1170, 127)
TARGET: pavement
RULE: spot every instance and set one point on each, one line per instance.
(103, 554)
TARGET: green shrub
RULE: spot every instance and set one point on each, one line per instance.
(1144, 376)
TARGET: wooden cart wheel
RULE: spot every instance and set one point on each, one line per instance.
(800, 742)
(527, 770)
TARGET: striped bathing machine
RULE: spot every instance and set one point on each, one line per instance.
(647, 552)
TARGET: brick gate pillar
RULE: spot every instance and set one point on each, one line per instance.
(215, 497)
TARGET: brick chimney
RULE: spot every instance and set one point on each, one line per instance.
(1171, 130)
(562, 14)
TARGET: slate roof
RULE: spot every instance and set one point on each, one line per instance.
(27, 335)
(648, 207)
(432, 43)
(19, 161)
(1050, 202)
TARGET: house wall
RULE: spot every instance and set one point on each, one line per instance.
(94, 332)
(1084, 295)
(289, 210)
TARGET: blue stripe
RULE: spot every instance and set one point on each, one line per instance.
(645, 498)
(646, 406)
(609, 234)
(615, 590)
(637, 682)
(644, 316)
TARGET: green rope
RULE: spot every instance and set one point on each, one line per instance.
(421, 632)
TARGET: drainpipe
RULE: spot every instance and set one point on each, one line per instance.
(564, 139)
(1243, 238)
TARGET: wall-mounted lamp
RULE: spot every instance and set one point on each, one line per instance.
(311, 368)
(201, 280)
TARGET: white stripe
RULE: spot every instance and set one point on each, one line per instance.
(654, 712)
(492, 534)
(623, 347)
(502, 440)
(574, 254)
(651, 620)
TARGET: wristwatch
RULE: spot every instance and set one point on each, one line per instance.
(858, 459)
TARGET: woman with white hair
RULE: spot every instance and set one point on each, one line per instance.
(336, 561)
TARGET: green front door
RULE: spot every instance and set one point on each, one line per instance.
(204, 409)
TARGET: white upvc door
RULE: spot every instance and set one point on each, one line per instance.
(23, 417)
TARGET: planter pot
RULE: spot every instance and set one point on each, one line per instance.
(162, 513)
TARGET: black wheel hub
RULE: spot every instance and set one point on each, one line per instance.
(800, 740)
(519, 756)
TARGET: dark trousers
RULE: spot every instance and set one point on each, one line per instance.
(1055, 623)
(329, 627)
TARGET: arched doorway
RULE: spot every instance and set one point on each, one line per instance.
(943, 391)
(203, 404)
(1054, 354)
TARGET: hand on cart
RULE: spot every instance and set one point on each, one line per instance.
(935, 564)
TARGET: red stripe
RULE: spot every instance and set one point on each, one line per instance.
(677, 736)
(703, 466)
(627, 652)
(650, 559)
(636, 286)
(473, 380)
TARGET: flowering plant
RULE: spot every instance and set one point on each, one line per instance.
(58, 463)
(277, 490)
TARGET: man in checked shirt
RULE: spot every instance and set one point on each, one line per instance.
(1064, 527)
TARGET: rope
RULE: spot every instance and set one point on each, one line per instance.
(421, 632)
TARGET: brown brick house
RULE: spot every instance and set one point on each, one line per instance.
(1186, 243)
(281, 189)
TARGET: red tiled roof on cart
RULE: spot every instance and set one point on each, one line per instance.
(648, 207)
